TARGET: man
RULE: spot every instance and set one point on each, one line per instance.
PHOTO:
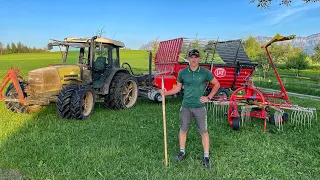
(194, 79)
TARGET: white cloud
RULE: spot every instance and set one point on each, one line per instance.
(275, 17)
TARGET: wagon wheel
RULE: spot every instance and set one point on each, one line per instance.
(222, 94)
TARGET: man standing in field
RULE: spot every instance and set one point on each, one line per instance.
(194, 79)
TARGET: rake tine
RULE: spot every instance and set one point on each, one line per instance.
(292, 117)
(298, 117)
(216, 112)
(213, 112)
(277, 118)
(301, 117)
(309, 118)
(223, 112)
(242, 116)
(303, 122)
(280, 121)
(305, 114)
(219, 111)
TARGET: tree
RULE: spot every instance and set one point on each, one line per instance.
(280, 52)
(1, 48)
(297, 60)
(316, 56)
(24, 49)
(196, 45)
(252, 48)
(209, 46)
(13, 48)
(264, 63)
(155, 45)
(19, 47)
(7, 50)
(265, 4)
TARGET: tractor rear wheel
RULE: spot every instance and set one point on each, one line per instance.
(82, 102)
(64, 101)
(123, 92)
(17, 107)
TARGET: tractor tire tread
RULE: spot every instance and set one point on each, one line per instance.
(76, 102)
(64, 101)
(114, 99)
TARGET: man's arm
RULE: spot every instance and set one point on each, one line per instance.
(174, 90)
(215, 88)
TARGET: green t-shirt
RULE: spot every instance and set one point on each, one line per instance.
(194, 83)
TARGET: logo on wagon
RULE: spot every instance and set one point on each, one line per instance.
(220, 72)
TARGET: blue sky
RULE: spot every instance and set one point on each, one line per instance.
(136, 22)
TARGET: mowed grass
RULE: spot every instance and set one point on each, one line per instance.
(128, 144)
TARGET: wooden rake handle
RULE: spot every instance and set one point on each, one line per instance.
(164, 125)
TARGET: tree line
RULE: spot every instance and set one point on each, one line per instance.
(19, 48)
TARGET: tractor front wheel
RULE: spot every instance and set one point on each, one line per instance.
(64, 101)
(82, 103)
(123, 92)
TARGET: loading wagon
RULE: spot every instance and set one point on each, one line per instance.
(231, 72)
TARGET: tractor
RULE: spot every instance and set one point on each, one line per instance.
(74, 87)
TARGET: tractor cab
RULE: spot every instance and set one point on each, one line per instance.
(95, 55)
(96, 52)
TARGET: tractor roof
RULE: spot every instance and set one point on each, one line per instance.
(98, 40)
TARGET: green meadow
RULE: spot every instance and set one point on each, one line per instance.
(128, 144)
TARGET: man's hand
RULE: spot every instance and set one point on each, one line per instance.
(163, 91)
(204, 99)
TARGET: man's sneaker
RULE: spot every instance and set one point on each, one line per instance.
(180, 156)
(206, 162)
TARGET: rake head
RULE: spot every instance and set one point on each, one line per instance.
(298, 116)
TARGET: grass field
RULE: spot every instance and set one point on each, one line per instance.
(128, 144)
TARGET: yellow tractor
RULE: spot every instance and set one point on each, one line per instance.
(74, 87)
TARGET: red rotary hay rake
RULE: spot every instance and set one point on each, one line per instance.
(247, 102)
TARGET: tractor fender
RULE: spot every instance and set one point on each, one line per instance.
(105, 86)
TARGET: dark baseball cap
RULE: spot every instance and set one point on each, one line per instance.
(194, 52)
